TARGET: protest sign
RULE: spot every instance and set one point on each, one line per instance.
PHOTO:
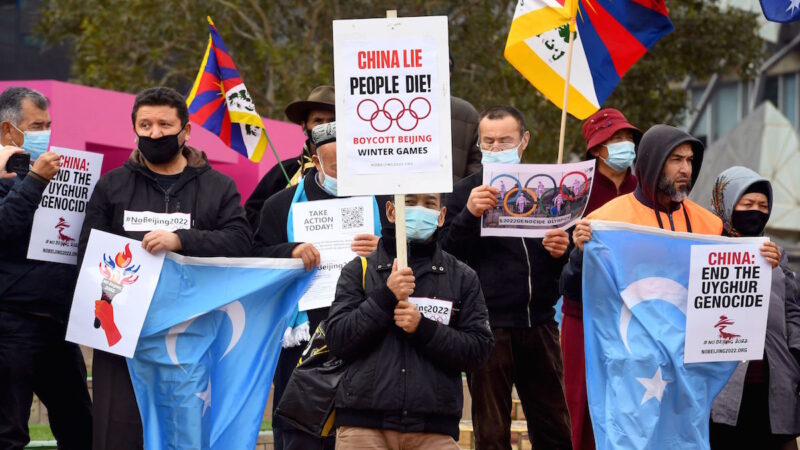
(115, 286)
(729, 290)
(393, 106)
(536, 198)
(331, 226)
(58, 219)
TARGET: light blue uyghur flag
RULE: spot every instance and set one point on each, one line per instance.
(207, 352)
(641, 395)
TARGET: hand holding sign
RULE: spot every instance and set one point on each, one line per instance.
(772, 253)
(161, 240)
(47, 165)
(364, 244)
(482, 199)
(407, 315)
(556, 242)
(401, 282)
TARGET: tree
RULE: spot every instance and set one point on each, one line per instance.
(284, 48)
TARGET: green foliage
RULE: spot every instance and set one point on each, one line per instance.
(283, 49)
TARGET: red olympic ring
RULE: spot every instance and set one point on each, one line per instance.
(393, 111)
(578, 195)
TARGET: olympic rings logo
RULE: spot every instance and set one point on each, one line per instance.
(576, 195)
(393, 111)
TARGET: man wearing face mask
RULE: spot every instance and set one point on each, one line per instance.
(519, 277)
(164, 181)
(317, 109)
(406, 334)
(275, 238)
(35, 296)
(611, 140)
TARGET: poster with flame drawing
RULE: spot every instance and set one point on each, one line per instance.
(115, 286)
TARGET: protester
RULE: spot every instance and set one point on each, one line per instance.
(35, 296)
(464, 135)
(402, 386)
(611, 141)
(759, 406)
(519, 277)
(166, 176)
(274, 238)
(317, 109)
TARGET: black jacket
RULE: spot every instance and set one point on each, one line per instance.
(218, 227)
(29, 286)
(273, 182)
(518, 276)
(397, 381)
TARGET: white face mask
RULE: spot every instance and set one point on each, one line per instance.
(329, 183)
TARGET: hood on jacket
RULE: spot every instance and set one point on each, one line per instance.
(729, 187)
(194, 158)
(655, 147)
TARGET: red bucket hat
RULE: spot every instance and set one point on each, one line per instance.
(600, 126)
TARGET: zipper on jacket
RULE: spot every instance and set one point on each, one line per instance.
(166, 201)
(530, 286)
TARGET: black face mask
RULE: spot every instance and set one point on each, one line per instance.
(750, 222)
(160, 150)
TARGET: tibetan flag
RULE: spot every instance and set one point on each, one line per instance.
(220, 103)
(609, 37)
(781, 10)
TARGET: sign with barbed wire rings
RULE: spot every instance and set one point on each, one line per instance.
(392, 106)
(540, 204)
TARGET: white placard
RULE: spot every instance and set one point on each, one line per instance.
(393, 106)
(435, 309)
(729, 293)
(116, 283)
(536, 198)
(330, 225)
(58, 220)
(149, 221)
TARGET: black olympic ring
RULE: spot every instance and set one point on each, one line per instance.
(393, 111)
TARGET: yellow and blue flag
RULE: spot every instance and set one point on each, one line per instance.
(207, 352)
(220, 103)
(609, 37)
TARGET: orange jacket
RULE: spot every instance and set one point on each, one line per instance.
(627, 208)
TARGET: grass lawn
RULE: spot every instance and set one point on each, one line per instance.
(40, 432)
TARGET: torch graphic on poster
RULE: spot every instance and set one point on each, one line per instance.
(117, 273)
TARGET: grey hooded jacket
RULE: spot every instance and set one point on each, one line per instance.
(783, 325)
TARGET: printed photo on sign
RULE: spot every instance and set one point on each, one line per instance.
(729, 293)
(393, 105)
(533, 199)
(58, 219)
(115, 286)
(331, 226)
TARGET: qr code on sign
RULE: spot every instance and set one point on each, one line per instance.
(352, 217)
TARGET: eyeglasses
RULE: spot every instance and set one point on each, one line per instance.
(497, 147)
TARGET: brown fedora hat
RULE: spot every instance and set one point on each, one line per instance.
(322, 97)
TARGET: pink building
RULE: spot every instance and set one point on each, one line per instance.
(99, 120)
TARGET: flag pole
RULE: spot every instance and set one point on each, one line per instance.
(566, 92)
(399, 206)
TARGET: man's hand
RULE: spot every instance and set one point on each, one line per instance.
(47, 165)
(160, 241)
(401, 282)
(482, 199)
(308, 253)
(364, 244)
(6, 153)
(582, 233)
(407, 316)
(556, 242)
(772, 253)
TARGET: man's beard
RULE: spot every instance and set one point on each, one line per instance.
(677, 195)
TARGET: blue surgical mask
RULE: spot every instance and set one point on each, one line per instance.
(510, 156)
(421, 222)
(620, 155)
(329, 184)
(36, 142)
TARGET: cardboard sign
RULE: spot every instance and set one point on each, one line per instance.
(115, 286)
(393, 106)
(58, 220)
(729, 293)
(331, 226)
(536, 198)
